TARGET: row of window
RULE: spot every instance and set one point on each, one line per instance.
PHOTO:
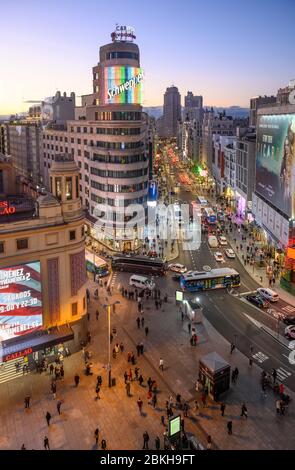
(23, 243)
(118, 116)
(52, 137)
(119, 174)
(122, 55)
(118, 130)
(116, 188)
(118, 202)
(119, 159)
(119, 145)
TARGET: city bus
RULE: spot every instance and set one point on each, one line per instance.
(210, 216)
(206, 280)
(96, 265)
(139, 264)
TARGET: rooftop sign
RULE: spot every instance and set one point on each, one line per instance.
(123, 33)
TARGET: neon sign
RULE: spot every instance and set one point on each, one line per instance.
(123, 33)
(5, 209)
(123, 84)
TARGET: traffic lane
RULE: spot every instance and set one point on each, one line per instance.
(230, 321)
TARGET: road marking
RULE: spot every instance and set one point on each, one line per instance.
(113, 279)
(289, 308)
(256, 322)
(283, 374)
(260, 357)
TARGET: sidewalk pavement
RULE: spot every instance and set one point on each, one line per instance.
(117, 415)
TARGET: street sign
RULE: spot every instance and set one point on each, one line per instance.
(179, 296)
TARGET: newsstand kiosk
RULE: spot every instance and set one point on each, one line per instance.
(214, 374)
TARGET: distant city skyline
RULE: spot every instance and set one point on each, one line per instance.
(227, 52)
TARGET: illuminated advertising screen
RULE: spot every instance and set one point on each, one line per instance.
(20, 300)
(275, 160)
(174, 426)
(123, 85)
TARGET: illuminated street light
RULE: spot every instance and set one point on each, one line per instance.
(108, 307)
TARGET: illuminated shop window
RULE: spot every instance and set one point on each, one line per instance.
(58, 188)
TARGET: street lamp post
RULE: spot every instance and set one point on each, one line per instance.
(108, 308)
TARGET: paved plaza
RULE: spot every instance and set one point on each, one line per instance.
(117, 415)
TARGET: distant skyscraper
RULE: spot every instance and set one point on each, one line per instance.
(172, 111)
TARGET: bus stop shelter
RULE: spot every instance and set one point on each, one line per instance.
(214, 373)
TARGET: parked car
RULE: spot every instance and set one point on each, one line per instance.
(289, 320)
(257, 300)
(268, 294)
(230, 253)
(219, 257)
(222, 241)
(290, 332)
(177, 268)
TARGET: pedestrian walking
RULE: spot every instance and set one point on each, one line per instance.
(140, 380)
(222, 408)
(154, 400)
(236, 371)
(140, 404)
(230, 427)
(130, 375)
(141, 347)
(161, 364)
(97, 314)
(138, 322)
(121, 347)
(77, 380)
(278, 406)
(178, 401)
(163, 420)
(96, 435)
(156, 304)
(138, 350)
(27, 401)
(209, 442)
(97, 390)
(149, 382)
(274, 375)
(88, 316)
(146, 439)
(232, 347)
(48, 418)
(23, 447)
(185, 409)
(62, 372)
(142, 322)
(189, 326)
(244, 411)
(58, 406)
(51, 369)
(125, 376)
(103, 444)
(136, 371)
(157, 443)
(204, 400)
(128, 387)
(197, 408)
(146, 330)
(46, 443)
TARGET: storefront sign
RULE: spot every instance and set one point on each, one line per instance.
(5, 209)
(16, 355)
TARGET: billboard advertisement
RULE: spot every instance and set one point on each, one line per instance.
(275, 160)
(20, 300)
(123, 85)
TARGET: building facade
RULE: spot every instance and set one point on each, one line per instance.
(42, 255)
(245, 170)
(109, 144)
(171, 112)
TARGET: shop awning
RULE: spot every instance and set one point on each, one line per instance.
(37, 342)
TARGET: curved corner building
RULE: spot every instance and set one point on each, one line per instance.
(119, 166)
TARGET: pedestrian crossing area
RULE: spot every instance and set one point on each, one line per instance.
(113, 280)
(9, 369)
(282, 374)
(260, 357)
(289, 309)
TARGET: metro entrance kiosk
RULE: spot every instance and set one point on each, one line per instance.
(214, 373)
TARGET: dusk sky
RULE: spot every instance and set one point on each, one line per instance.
(227, 50)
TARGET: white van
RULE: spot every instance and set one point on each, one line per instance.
(141, 282)
(213, 242)
(268, 294)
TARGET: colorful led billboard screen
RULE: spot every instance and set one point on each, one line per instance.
(20, 300)
(275, 161)
(123, 85)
